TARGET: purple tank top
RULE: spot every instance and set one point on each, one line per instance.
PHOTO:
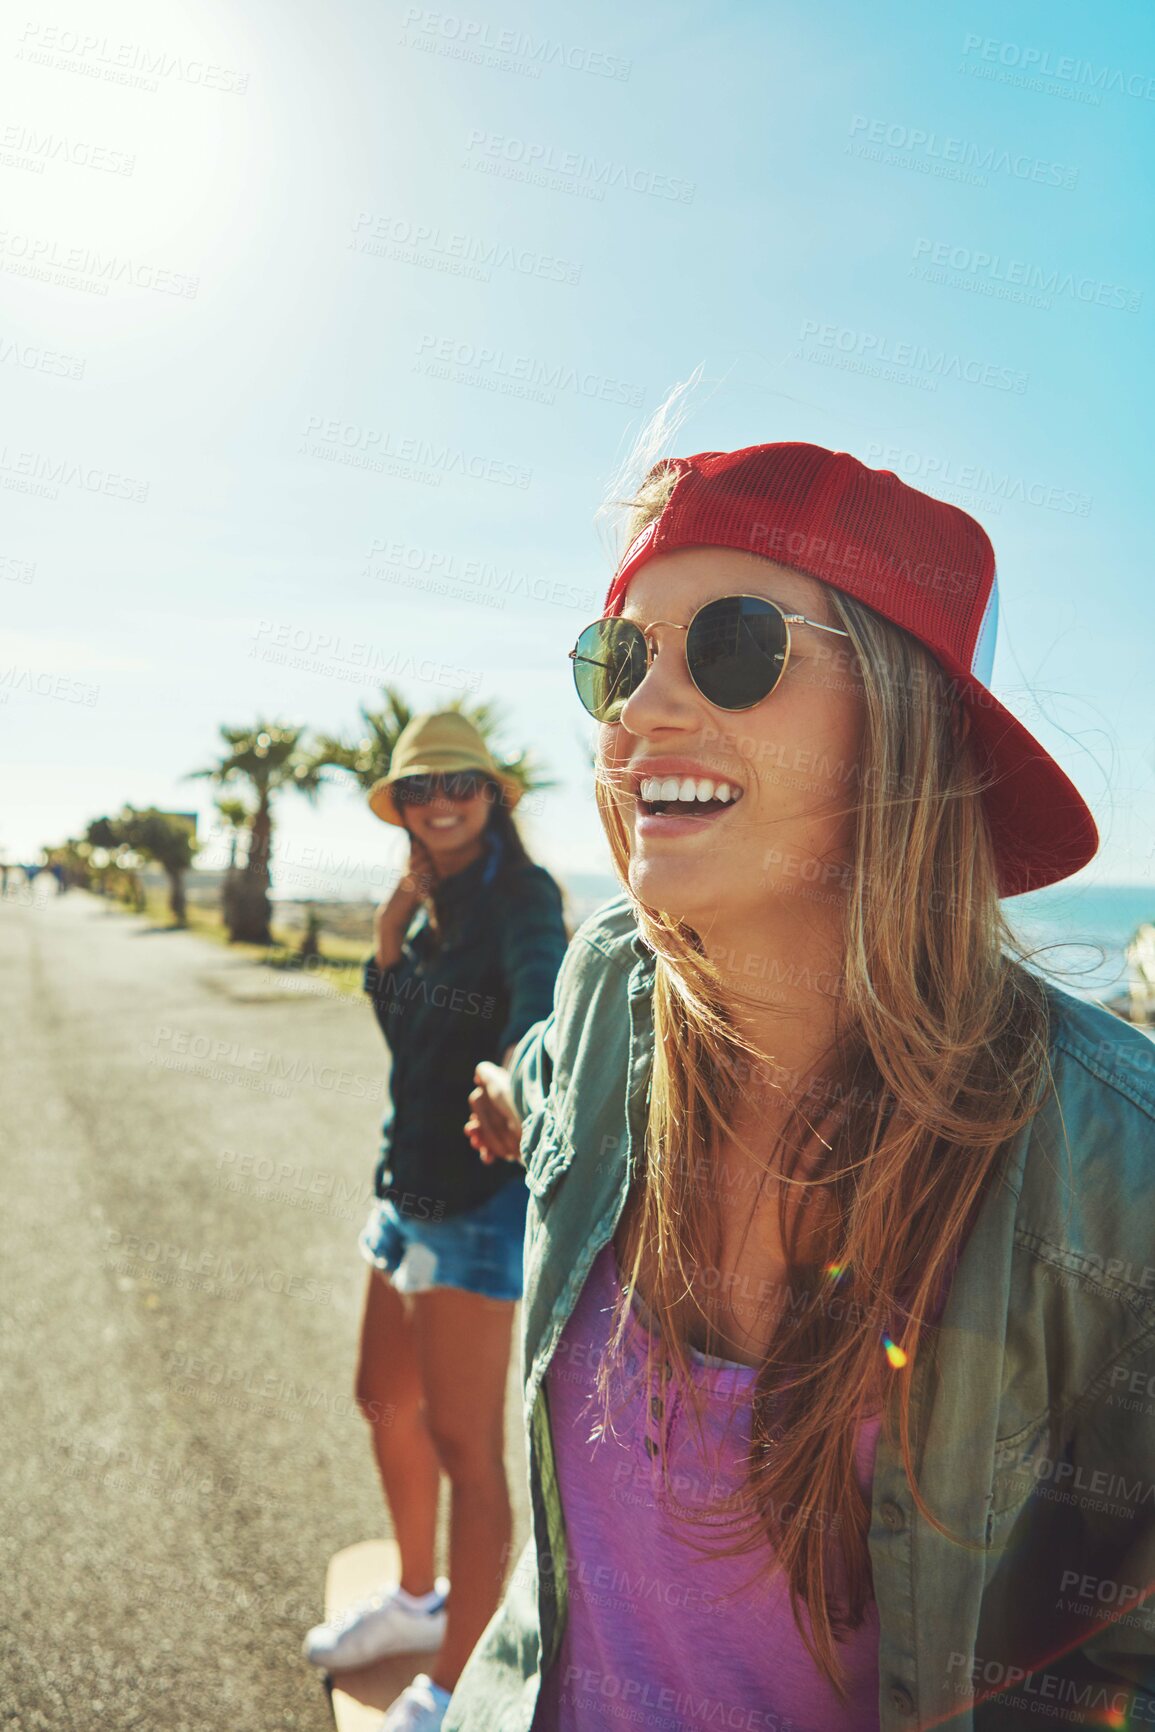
(659, 1633)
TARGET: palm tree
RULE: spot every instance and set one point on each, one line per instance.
(236, 817)
(116, 861)
(267, 758)
(368, 757)
(170, 840)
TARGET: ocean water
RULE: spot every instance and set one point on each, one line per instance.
(1077, 933)
(1081, 932)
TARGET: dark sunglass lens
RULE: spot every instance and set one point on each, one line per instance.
(454, 785)
(609, 666)
(736, 649)
(462, 785)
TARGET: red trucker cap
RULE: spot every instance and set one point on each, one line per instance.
(923, 565)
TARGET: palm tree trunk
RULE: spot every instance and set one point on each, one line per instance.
(229, 887)
(177, 903)
(250, 923)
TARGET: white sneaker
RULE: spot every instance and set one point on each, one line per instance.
(372, 1628)
(419, 1708)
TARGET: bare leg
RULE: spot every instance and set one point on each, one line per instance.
(390, 1395)
(463, 1342)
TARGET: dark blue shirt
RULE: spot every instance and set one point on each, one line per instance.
(446, 1005)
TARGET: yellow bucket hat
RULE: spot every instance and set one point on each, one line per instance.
(437, 745)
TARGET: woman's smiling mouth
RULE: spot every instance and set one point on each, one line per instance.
(672, 801)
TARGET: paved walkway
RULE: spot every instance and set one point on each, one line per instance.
(187, 1149)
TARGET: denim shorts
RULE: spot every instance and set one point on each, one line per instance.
(479, 1250)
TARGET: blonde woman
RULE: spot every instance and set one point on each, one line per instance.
(839, 1327)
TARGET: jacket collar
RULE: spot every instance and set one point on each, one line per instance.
(646, 959)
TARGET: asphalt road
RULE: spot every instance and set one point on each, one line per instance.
(188, 1143)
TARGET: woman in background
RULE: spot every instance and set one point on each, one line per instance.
(467, 949)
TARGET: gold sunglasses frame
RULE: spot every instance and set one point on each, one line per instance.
(788, 619)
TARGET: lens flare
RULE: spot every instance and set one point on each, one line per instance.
(894, 1353)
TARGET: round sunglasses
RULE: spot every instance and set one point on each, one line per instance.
(455, 785)
(737, 649)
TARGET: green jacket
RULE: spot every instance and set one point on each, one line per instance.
(1034, 1435)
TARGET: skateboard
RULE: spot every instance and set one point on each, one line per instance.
(359, 1699)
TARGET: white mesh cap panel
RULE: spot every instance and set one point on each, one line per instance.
(983, 660)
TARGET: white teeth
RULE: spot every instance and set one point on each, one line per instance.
(655, 788)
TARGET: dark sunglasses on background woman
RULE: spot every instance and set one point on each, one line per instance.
(455, 785)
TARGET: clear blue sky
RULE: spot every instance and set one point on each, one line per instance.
(798, 198)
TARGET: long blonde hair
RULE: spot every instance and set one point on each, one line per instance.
(939, 1059)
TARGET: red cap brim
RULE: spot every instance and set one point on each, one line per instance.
(1041, 826)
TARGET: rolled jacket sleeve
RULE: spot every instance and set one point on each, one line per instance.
(531, 1069)
(533, 942)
